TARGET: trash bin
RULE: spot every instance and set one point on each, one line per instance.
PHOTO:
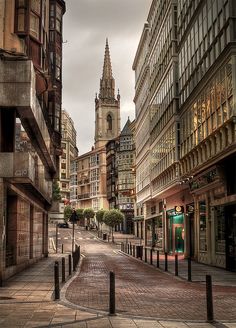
(139, 251)
(104, 236)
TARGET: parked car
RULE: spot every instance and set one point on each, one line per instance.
(63, 225)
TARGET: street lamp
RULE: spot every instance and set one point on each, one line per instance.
(73, 219)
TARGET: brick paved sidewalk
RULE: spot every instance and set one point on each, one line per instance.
(26, 301)
(142, 290)
(198, 271)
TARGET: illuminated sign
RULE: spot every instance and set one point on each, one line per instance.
(179, 209)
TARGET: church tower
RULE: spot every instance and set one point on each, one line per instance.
(107, 107)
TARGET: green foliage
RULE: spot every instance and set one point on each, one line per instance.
(88, 213)
(56, 191)
(113, 217)
(79, 212)
(100, 216)
(67, 213)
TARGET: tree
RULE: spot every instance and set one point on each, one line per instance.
(112, 218)
(80, 215)
(100, 216)
(67, 213)
(56, 191)
(88, 214)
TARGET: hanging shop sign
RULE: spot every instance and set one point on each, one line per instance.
(179, 209)
(190, 208)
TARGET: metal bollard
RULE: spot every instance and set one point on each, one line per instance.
(112, 301)
(209, 299)
(69, 263)
(56, 237)
(63, 270)
(133, 250)
(56, 281)
(166, 261)
(74, 261)
(151, 256)
(62, 248)
(127, 248)
(78, 251)
(176, 265)
(189, 269)
(158, 259)
(145, 254)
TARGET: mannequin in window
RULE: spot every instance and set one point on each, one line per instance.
(109, 122)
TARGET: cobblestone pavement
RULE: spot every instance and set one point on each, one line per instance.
(142, 290)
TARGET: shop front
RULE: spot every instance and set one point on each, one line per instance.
(175, 224)
(215, 217)
(154, 232)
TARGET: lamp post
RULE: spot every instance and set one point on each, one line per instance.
(73, 219)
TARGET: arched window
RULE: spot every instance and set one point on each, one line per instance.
(109, 122)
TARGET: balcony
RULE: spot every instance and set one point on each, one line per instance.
(17, 90)
(21, 168)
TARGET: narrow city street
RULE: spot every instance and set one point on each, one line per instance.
(141, 290)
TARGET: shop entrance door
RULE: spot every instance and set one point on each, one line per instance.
(179, 242)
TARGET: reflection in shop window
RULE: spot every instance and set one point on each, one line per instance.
(202, 227)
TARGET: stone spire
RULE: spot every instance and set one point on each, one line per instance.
(107, 83)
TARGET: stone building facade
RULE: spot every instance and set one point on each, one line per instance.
(121, 175)
(187, 49)
(69, 153)
(30, 94)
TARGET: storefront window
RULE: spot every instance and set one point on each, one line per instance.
(158, 232)
(149, 232)
(202, 226)
(220, 230)
(154, 232)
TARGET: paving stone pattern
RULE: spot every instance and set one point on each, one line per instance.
(142, 290)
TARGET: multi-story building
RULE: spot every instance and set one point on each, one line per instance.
(121, 175)
(92, 179)
(157, 186)
(70, 152)
(73, 183)
(142, 122)
(30, 89)
(125, 163)
(92, 191)
(207, 89)
(112, 174)
(192, 128)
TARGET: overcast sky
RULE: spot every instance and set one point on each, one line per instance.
(87, 24)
